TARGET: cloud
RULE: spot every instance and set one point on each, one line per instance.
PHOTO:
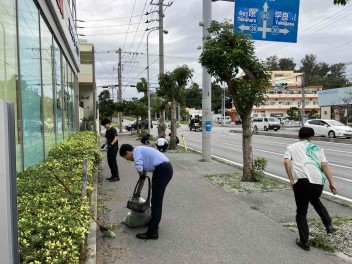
(323, 30)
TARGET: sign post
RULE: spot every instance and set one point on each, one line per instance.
(270, 20)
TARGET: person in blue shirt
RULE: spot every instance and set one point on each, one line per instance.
(112, 142)
(147, 159)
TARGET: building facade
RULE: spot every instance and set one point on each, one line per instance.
(39, 62)
(89, 118)
(285, 92)
(336, 104)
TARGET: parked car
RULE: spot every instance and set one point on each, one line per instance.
(265, 123)
(329, 128)
(133, 126)
(195, 124)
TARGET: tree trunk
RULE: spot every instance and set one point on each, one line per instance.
(173, 124)
(247, 149)
(162, 125)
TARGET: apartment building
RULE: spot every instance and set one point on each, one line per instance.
(286, 92)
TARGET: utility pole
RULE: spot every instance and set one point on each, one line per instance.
(161, 30)
(119, 77)
(119, 95)
(206, 81)
(161, 41)
(206, 92)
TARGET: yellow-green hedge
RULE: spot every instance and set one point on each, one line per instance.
(53, 223)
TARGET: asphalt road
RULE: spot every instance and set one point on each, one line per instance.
(228, 145)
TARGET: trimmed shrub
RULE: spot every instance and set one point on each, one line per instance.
(52, 222)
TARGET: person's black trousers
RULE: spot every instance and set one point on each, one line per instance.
(111, 155)
(305, 193)
(161, 177)
(163, 148)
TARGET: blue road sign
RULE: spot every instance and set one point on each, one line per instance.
(208, 125)
(271, 20)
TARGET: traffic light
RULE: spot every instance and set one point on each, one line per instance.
(285, 86)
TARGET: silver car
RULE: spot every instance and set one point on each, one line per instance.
(329, 128)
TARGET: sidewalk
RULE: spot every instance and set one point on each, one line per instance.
(201, 222)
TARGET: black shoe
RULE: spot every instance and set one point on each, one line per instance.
(110, 178)
(302, 245)
(330, 229)
(114, 179)
(147, 236)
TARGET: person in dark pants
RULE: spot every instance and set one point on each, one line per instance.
(145, 139)
(177, 140)
(148, 159)
(112, 142)
(162, 144)
(307, 169)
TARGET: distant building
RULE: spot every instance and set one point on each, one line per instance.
(89, 118)
(285, 92)
(336, 104)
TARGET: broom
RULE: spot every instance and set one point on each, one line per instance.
(106, 232)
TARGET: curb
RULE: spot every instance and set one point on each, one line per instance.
(91, 249)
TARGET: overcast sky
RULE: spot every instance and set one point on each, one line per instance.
(324, 30)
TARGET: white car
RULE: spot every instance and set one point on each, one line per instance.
(265, 123)
(329, 128)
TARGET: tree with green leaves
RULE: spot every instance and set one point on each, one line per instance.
(321, 73)
(172, 84)
(313, 114)
(273, 63)
(293, 113)
(142, 87)
(192, 96)
(224, 54)
(106, 105)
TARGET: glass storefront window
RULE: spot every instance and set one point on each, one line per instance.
(8, 67)
(66, 97)
(48, 78)
(29, 47)
(58, 93)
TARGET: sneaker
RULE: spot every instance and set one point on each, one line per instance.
(302, 245)
(330, 229)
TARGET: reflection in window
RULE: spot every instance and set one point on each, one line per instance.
(8, 67)
(28, 19)
(48, 75)
(58, 92)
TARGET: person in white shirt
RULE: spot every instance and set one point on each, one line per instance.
(147, 159)
(162, 144)
(307, 169)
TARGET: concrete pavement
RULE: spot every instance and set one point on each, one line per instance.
(201, 222)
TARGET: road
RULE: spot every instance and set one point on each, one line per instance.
(228, 145)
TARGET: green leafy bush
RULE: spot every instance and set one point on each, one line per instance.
(52, 222)
(259, 166)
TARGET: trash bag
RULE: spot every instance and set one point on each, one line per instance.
(135, 219)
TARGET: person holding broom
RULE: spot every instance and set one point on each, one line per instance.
(147, 159)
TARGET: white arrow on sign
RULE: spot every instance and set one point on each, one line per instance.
(284, 31)
(266, 7)
(243, 27)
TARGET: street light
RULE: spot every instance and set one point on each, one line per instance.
(148, 90)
